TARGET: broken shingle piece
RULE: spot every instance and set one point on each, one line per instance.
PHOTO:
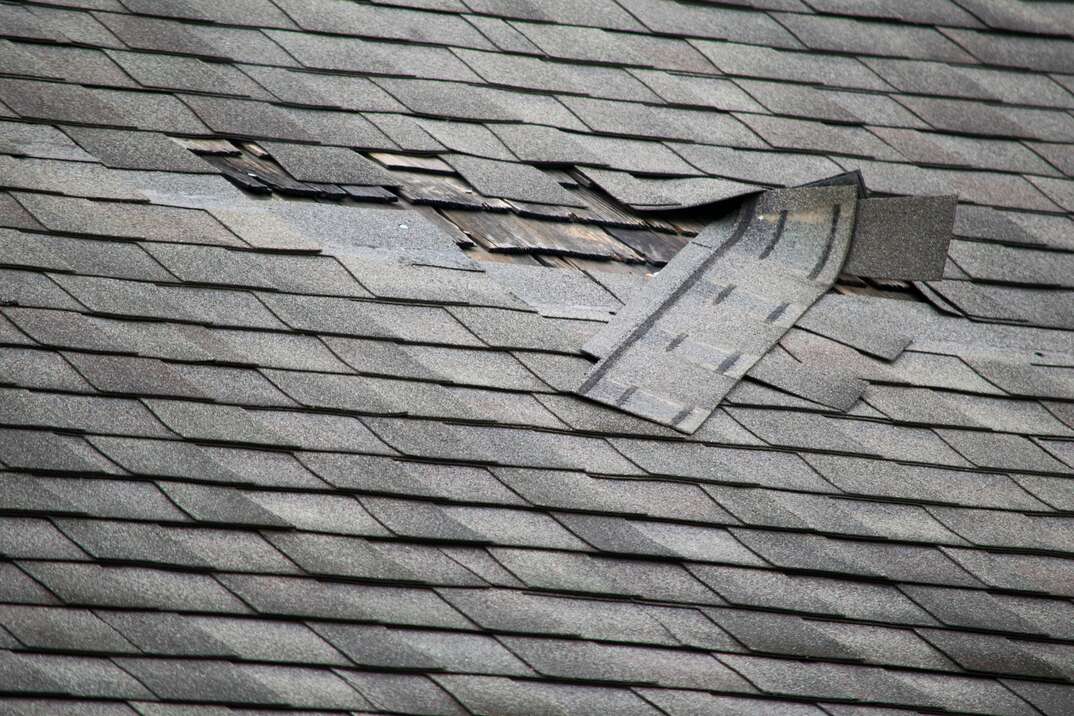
(682, 343)
(902, 237)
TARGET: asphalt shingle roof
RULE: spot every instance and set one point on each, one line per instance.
(295, 297)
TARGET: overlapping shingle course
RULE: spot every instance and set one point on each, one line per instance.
(300, 445)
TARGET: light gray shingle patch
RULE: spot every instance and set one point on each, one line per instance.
(657, 334)
(497, 694)
(797, 100)
(421, 324)
(341, 229)
(1061, 191)
(155, 34)
(345, 129)
(403, 693)
(446, 100)
(547, 289)
(501, 328)
(940, 12)
(773, 168)
(968, 116)
(126, 587)
(857, 322)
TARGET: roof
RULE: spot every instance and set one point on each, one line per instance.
(314, 317)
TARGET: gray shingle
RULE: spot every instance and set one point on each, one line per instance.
(512, 697)
(218, 680)
(245, 118)
(589, 660)
(321, 513)
(56, 102)
(212, 422)
(510, 611)
(288, 596)
(507, 446)
(714, 22)
(126, 587)
(1005, 452)
(319, 432)
(870, 38)
(1037, 53)
(406, 693)
(514, 329)
(29, 538)
(186, 73)
(350, 557)
(40, 450)
(1051, 699)
(220, 505)
(328, 164)
(695, 703)
(512, 181)
(901, 237)
(809, 136)
(770, 63)
(135, 221)
(323, 90)
(138, 150)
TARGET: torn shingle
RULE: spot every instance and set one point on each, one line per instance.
(662, 331)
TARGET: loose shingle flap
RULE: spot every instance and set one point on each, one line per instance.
(676, 348)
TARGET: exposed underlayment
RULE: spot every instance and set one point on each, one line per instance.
(295, 296)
